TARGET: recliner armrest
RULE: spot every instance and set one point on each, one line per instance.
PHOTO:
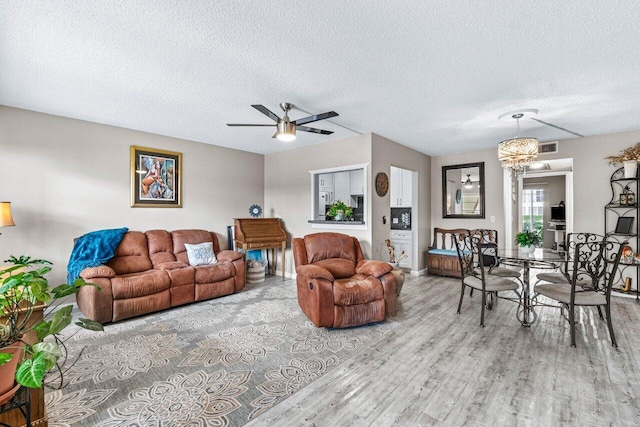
(100, 271)
(373, 268)
(311, 271)
(228, 255)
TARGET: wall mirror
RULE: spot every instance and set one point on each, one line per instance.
(463, 191)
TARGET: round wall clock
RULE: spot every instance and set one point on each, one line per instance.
(255, 211)
(382, 184)
(458, 196)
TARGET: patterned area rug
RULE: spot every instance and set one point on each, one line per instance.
(215, 363)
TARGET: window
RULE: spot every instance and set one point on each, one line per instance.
(532, 209)
(347, 184)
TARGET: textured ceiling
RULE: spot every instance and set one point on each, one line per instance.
(431, 75)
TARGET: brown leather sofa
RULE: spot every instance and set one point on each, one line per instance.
(150, 272)
(337, 287)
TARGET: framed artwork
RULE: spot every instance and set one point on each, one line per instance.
(156, 178)
(624, 225)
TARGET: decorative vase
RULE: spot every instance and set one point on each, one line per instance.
(339, 215)
(630, 168)
(527, 249)
(8, 385)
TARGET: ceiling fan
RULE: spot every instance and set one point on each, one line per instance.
(285, 128)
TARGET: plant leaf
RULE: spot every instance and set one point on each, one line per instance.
(42, 329)
(63, 291)
(61, 319)
(31, 372)
(90, 324)
(5, 357)
(51, 351)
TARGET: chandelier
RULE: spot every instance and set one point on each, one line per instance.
(518, 153)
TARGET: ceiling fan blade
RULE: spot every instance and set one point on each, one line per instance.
(315, 118)
(246, 124)
(264, 110)
(314, 130)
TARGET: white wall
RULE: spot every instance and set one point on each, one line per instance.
(67, 177)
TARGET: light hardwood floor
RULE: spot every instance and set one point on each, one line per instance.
(438, 368)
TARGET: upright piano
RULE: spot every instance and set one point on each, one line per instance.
(261, 233)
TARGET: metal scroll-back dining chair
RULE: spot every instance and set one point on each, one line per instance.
(489, 247)
(476, 276)
(594, 268)
(564, 275)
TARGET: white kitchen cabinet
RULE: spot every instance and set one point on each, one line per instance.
(401, 188)
(341, 186)
(356, 181)
(407, 186)
(326, 182)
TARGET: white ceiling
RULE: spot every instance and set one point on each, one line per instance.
(431, 75)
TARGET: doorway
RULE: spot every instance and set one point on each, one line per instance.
(530, 198)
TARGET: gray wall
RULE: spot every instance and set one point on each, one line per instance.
(67, 177)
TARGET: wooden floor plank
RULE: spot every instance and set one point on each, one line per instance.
(438, 368)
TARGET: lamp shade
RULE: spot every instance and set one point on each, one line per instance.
(286, 131)
(517, 153)
(6, 220)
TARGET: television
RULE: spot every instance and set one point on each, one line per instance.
(557, 213)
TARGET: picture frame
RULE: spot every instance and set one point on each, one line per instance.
(156, 178)
(624, 224)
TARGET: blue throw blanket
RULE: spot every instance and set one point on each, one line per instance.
(92, 250)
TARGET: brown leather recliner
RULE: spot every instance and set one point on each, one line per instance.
(337, 287)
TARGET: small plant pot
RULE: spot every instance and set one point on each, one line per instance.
(630, 168)
(527, 249)
(339, 215)
(8, 386)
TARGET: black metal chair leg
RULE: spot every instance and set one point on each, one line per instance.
(572, 323)
(484, 301)
(600, 312)
(471, 292)
(461, 296)
(610, 325)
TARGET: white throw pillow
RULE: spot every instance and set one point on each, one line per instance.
(200, 254)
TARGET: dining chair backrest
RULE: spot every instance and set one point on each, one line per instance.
(468, 247)
(488, 240)
(585, 241)
(594, 262)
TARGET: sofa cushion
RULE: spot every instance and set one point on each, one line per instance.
(214, 272)
(180, 237)
(359, 289)
(139, 284)
(451, 252)
(338, 267)
(160, 247)
(322, 246)
(132, 254)
(200, 254)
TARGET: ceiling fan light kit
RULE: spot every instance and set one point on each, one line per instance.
(285, 128)
(518, 153)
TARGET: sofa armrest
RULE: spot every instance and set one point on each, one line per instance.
(100, 271)
(373, 268)
(311, 271)
(229, 255)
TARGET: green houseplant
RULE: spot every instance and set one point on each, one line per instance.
(339, 211)
(527, 239)
(23, 288)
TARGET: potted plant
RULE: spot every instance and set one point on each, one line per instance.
(629, 159)
(23, 291)
(340, 211)
(527, 240)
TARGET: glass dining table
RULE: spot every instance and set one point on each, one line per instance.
(540, 259)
